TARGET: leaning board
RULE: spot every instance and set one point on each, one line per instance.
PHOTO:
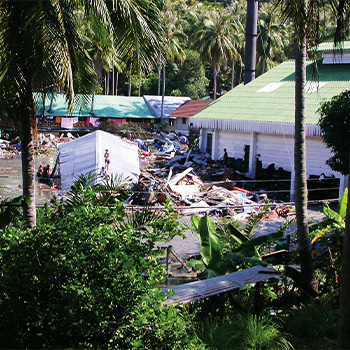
(188, 292)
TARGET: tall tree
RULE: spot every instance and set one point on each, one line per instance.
(172, 50)
(305, 16)
(335, 125)
(40, 46)
(272, 37)
(214, 41)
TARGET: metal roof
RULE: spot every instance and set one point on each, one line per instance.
(171, 103)
(329, 46)
(267, 102)
(190, 108)
(105, 106)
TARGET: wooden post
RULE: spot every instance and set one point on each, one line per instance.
(257, 299)
(168, 248)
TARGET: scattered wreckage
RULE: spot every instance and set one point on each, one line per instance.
(162, 168)
(176, 174)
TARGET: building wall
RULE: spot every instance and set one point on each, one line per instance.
(269, 149)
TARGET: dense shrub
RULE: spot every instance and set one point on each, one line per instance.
(84, 277)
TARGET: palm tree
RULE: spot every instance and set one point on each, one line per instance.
(214, 41)
(172, 50)
(36, 42)
(40, 46)
(272, 37)
(299, 12)
(304, 15)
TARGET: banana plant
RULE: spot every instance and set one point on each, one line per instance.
(327, 240)
(214, 262)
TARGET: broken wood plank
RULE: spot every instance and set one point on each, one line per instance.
(188, 292)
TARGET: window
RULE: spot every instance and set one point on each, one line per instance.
(246, 158)
(209, 143)
(184, 121)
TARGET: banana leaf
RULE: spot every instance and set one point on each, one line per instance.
(343, 204)
(333, 216)
(196, 265)
(237, 235)
(269, 238)
(210, 250)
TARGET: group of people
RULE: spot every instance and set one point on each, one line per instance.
(44, 171)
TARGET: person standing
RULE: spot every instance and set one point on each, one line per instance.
(107, 161)
(225, 158)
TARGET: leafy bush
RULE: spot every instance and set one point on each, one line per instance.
(84, 277)
(243, 332)
(313, 326)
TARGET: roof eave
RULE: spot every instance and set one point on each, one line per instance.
(253, 126)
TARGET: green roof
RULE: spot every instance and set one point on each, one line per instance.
(105, 106)
(270, 97)
(329, 46)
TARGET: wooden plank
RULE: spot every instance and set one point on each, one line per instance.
(188, 292)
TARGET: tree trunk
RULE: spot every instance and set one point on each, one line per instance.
(116, 84)
(163, 95)
(344, 321)
(251, 40)
(304, 244)
(140, 83)
(233, 75)
(159, 74)
(263, 66)
(215, 83)
(93, 99)
(159, 78)
(113, 83)
(107, 83)
(129, 91)
(27, 130)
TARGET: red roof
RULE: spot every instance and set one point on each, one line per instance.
(190, 108)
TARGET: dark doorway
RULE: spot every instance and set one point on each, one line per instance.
(209, 148)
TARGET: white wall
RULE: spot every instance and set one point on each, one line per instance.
(234, 143)
(276, 149)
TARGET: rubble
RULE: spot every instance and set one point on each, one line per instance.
(190, 180)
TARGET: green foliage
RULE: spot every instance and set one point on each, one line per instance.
(243, 332)
(11, 210)
(313, 326)
(215, 261)
(328, 237)
(189, 79)
(172, 329)
(335, 125)
(83, 278)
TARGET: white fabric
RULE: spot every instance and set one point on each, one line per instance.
(86, 154)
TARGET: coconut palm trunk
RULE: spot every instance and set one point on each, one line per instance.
(27, 131)
(344, 320)
(163, 96)
(300, 165)
(215, 83)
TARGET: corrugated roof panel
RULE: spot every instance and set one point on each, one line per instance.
(105, 106)
(329, 46)
(171, 103)
(190, 108)
(243, 103)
